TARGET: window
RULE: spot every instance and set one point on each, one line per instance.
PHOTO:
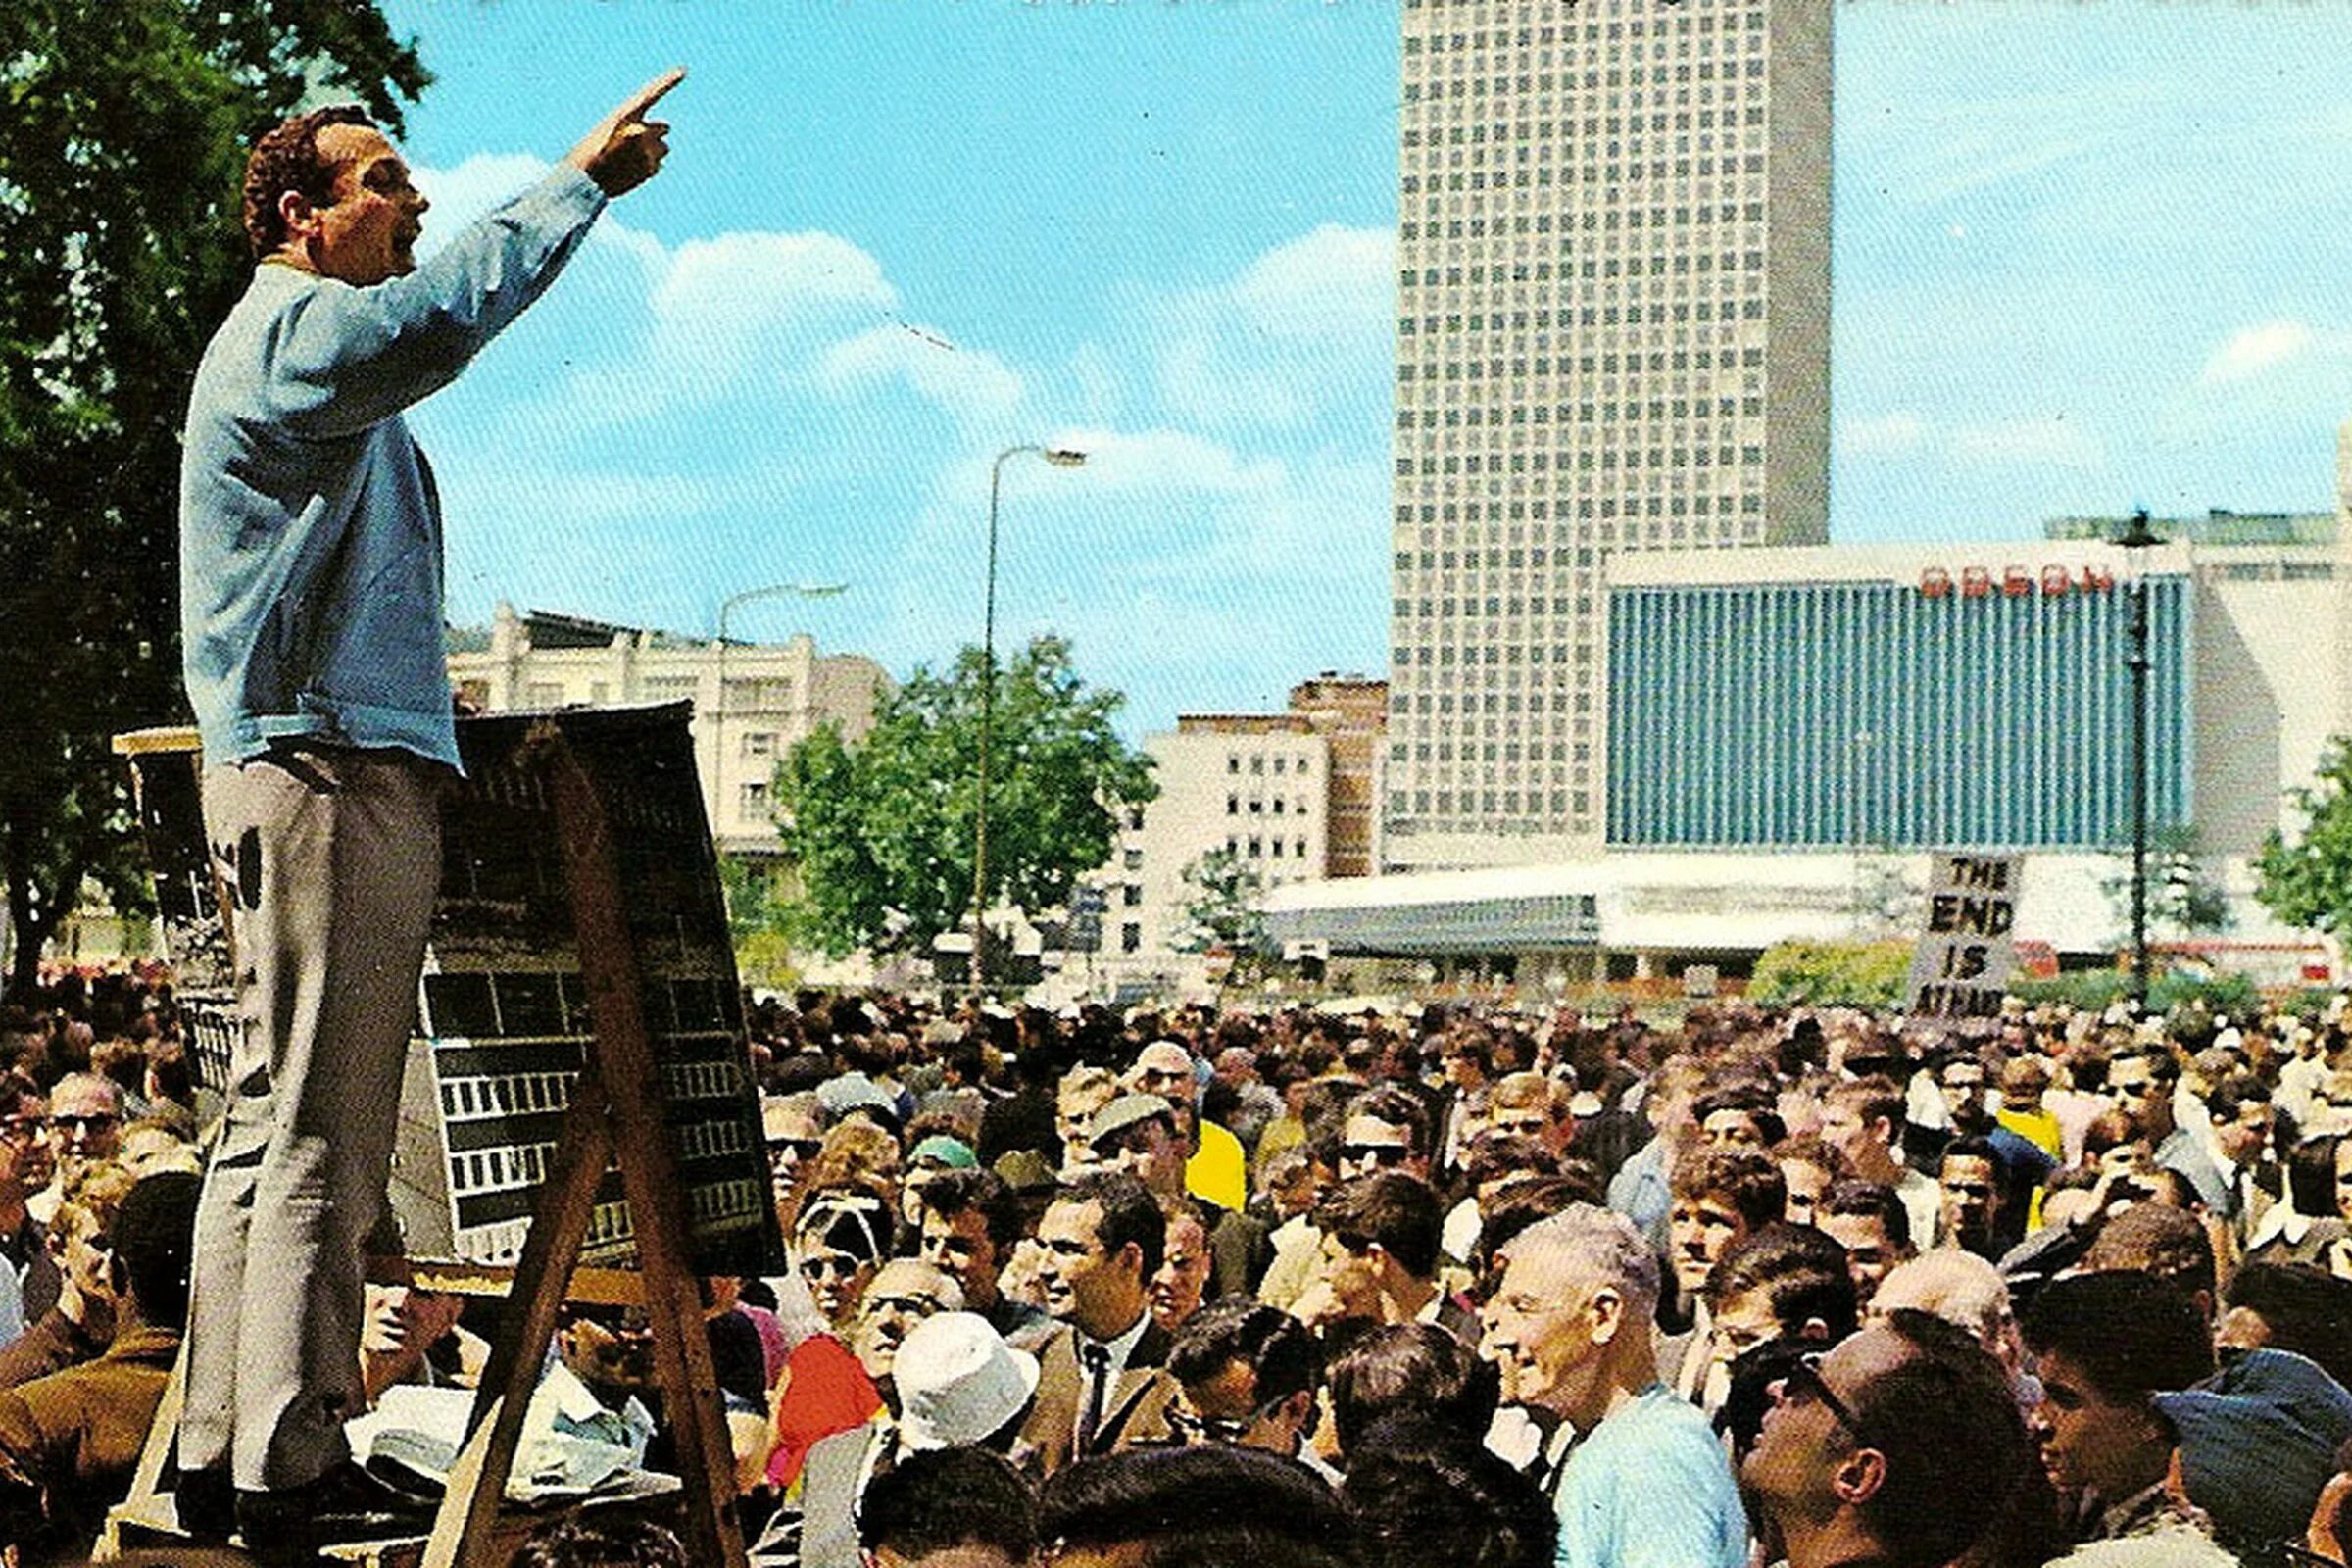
(1131, 937)
(543, 694)
(759, 743)
(753, 798)
(1131, 896)
(764, 695)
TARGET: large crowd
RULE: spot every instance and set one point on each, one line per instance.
(1456, 1284)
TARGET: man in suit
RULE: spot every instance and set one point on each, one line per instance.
(1103, 1383)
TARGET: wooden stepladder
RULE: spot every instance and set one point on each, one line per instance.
(615, 1114)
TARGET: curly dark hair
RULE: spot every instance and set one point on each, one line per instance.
(286, 158)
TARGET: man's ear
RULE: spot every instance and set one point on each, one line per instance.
(1607, 1312)
(1859, 1476)
(295, 212)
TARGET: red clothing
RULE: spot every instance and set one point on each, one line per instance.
(824, 1391)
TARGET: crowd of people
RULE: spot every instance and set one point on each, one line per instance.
(1463, 1284)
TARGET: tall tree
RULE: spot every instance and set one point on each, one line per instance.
(881, 834)
(122, 130)
(2308, 882)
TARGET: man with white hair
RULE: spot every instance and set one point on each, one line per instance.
(1648, 1485)
(1963, 1290)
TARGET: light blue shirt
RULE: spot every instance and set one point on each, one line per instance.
(311, 577)
(1651, 1487)
(1640, 1191)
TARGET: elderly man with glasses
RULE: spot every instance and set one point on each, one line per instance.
(84, 1125)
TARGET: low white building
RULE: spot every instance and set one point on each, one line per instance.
(752, 702)
(1254, 784)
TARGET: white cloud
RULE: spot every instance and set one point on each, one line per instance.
(1333, 281)
(749, 280)
(1899, 431)
(1302, 327)
(2252, 350)
(462, 194)
(972, 384)
(2056, 440)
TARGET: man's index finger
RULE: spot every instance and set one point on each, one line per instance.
(649, 95)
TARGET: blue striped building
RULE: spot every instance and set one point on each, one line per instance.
(1976, 709)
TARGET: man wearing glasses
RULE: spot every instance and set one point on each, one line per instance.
(29, 1276)
(1570, 1324)
(1249, 1375)
(84, 1126)
(1216, 1171)
(1899, 1448)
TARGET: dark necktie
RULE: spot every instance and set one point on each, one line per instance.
(1096, 1358)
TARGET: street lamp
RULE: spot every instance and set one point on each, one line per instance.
(2134, 544)
(1060, 458)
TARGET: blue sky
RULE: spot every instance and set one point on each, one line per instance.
(2087, 257)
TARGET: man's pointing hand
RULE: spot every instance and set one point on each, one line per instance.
(626, 149)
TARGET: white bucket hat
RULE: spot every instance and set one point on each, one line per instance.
(958, 1382)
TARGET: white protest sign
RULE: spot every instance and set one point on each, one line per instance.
(1968, 947)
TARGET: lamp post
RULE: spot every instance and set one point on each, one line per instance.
(1060, 458)
(2134, 544)
(726, 608)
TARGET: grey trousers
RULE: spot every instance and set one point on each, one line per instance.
(331, 858)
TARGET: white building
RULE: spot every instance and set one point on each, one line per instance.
(1612, 335)
(1252, 784)
(752, 702)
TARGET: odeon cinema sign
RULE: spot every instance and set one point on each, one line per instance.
(2052, 581)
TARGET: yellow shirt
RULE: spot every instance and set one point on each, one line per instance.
(1217, 1171)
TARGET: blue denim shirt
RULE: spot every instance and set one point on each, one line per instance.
(310, 575)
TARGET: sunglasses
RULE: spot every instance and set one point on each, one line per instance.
(94, 1122)
(1374, 1154)
(1194, 1427)
(798, 1147)
(909, 1305)
(836, 1265)
(1804, 1381)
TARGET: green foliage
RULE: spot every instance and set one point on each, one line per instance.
(2084, 990)
(122, 129)
(2183, 897)
(759, 906)
(881, 835)
(1868, 974)
(1222, 910)
(2096, 990)
(2308, 883)
(2234, 993)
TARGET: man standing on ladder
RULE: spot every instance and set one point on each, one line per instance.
(311, 579)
